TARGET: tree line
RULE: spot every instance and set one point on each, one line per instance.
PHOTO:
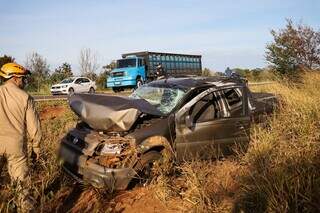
(42, 77)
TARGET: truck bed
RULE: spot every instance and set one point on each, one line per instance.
(262, 105)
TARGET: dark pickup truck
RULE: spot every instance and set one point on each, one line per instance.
(119, 138)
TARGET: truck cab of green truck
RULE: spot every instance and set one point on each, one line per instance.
(134, 69)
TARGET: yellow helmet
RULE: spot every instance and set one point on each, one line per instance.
(12, 69)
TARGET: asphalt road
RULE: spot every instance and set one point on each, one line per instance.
(65, 97)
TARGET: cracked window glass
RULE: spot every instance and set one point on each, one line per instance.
(164, 99)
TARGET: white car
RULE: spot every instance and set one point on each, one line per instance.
(74, 85)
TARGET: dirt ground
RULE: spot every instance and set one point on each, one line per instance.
(140, 199)
(52, 112)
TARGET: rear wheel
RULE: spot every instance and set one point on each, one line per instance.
(91, 90)
(71, 91)
(144, 167)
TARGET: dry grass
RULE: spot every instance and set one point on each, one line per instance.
(283, 160)
(280, 171)
(199, 186)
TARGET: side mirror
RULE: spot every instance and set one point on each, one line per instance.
(189, 122)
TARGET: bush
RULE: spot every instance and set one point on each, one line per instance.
(295, 49)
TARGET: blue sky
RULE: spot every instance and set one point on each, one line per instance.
(225, 33)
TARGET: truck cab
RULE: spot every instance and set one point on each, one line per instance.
(130, 72)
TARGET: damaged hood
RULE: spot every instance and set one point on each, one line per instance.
(110, 113)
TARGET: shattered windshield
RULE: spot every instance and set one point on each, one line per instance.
(164, 99)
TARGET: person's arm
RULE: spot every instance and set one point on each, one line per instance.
(33, 126)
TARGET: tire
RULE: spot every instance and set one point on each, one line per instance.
(71, 91)
(139, 83)
(91, 90)
(115, 89)
(144, 167)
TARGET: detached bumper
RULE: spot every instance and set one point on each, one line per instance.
(99, 176)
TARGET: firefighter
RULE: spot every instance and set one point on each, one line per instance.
(18, 118)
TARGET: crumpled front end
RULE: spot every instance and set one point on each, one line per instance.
(105, 161)
(110, 113)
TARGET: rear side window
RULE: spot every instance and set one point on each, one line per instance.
(85, 80)
(234, 101)
(78, 81)
(207, 109)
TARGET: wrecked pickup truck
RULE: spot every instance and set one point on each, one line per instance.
(120, 138)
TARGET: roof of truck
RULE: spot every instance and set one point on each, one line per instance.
(186, 83)
(156, 53)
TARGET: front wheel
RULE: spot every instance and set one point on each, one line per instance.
(145, 166)
(91, 90)
(116, 89)
(71, 91)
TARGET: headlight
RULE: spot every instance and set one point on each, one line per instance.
(111, 149)
(64, 86)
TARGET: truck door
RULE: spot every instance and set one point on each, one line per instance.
(141, 69)
(204, 127)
